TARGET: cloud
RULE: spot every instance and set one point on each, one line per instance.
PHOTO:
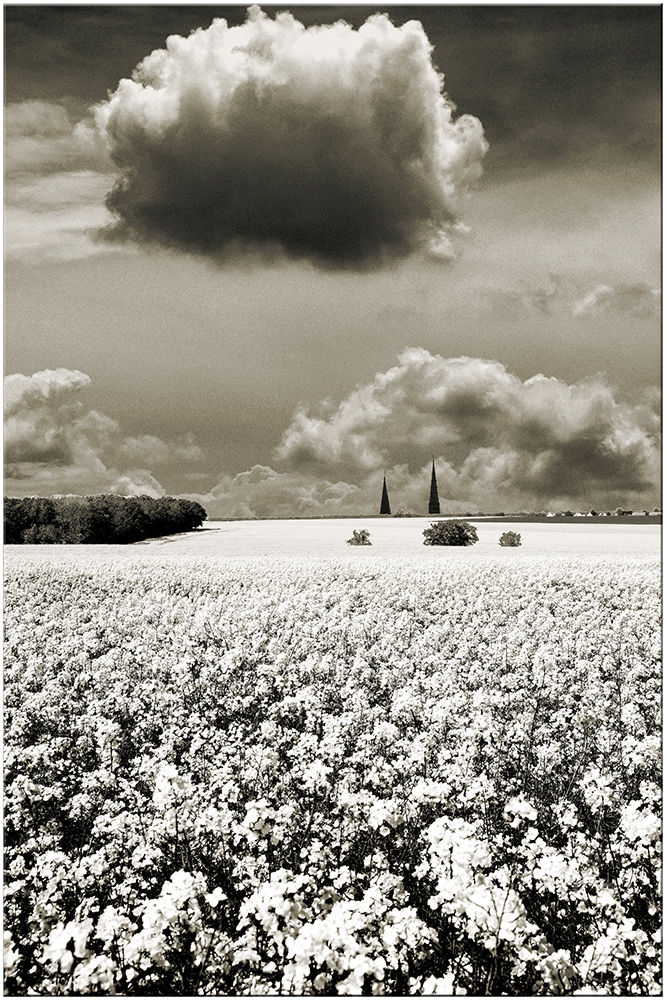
(41, 139)
(54, 445)
(496, 439)
(510, 304)
(325, 144)
(154, 451)
(634, 300)
(499, 443)
(561, 295)
(56, 175)
(262, 492)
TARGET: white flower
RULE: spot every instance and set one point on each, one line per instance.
(639, 823)
(520, 809)
(11, 956)
(215, 897)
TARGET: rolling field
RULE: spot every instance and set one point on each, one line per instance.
(390, 537)
(254, 760)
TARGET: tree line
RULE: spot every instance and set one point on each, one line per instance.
(103, 519)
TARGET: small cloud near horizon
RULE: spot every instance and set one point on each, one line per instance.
(54, 445)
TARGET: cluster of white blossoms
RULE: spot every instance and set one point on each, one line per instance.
(263, 776)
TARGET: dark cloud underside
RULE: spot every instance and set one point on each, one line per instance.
(328, 144)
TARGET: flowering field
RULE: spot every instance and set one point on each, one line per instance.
(255, 776)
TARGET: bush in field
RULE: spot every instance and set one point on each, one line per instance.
(359, 537)
(450, 533)
(510, 538)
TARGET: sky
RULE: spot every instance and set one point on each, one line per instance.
(263, 256)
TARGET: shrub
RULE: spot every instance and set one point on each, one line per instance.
(360, 537)
(450, 533)
(510, 538)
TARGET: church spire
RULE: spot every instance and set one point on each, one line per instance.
(433, 506)
(385, 507)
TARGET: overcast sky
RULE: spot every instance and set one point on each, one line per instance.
(257, 256)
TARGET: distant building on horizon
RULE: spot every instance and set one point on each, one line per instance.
(385, 506)
(433, 506)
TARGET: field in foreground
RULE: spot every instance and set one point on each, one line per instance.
(326, 776)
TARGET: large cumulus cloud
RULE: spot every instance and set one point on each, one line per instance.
(497, 440)
(53, 444)
(325, 143)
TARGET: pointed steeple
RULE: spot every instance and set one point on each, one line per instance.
(433, 506)
(385, 507)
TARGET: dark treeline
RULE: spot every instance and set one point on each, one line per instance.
(107, 518)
